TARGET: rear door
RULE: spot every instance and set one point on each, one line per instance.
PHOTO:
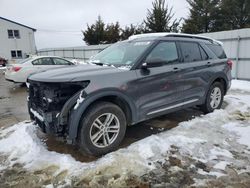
(158, 86)
(196, 72)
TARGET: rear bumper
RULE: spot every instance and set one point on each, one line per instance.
(12, 77)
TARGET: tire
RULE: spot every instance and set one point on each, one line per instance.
(92, 127)
(213, 103)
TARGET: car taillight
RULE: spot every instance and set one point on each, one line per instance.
(16, 68)
(230, 64)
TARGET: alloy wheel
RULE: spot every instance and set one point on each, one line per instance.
(215, 97)
(104, 130)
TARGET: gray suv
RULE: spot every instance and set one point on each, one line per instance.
(141, 78)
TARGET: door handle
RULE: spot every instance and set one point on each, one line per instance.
(176, 69)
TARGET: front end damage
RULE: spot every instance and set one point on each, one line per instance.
(50, 104)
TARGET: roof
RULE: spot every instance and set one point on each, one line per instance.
(17, 23)
(165, 34)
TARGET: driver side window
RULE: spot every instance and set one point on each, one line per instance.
(164, 52)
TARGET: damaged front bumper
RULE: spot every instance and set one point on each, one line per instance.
(49, 122)
(50, 105)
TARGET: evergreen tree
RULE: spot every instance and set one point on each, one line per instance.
(132, 30)
(95, 34)
(159, 18)
(235, 14)
(112, 33)
(203, 16)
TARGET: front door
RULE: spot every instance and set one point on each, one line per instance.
(159, 81)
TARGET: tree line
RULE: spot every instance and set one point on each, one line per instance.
(204, 16)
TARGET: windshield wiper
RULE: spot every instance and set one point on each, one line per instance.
(101, 64)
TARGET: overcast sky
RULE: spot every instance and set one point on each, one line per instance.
(59, 22)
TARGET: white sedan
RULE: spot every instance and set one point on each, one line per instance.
(21, 71)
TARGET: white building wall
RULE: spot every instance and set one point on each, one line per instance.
(26, 42)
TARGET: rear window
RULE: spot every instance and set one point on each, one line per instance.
(218, 50)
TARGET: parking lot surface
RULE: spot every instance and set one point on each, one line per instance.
(13, 109)
(181, 149)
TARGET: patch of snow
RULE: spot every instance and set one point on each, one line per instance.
(127, 67)
(216, 151)
(240, 85)
(242, 131)
(79, 100)
(212, 173)
(78, 62)
(221, 165)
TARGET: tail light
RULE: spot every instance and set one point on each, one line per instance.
(230, 64)
(16, 68)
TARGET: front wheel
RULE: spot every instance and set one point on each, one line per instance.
(102, 129)
(214, 98)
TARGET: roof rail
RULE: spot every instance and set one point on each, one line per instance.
(163, 34)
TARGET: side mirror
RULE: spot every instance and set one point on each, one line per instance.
(152, 63)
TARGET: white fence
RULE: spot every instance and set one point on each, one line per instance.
(82, 53)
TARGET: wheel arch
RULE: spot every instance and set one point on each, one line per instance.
(116, 97)
(219, 77)
(222, 79)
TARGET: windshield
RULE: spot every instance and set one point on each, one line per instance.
(121, 54)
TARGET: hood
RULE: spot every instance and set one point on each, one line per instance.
(71, 73)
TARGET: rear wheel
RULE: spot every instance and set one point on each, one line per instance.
(102, 129)
(214, 98)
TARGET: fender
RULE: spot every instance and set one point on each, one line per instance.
(75, 115)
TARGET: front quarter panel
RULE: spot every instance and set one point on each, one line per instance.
(122, 85)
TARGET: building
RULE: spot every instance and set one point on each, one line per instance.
(16, 40)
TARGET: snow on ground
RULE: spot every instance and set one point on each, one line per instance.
(240, 85)
(215, 139)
